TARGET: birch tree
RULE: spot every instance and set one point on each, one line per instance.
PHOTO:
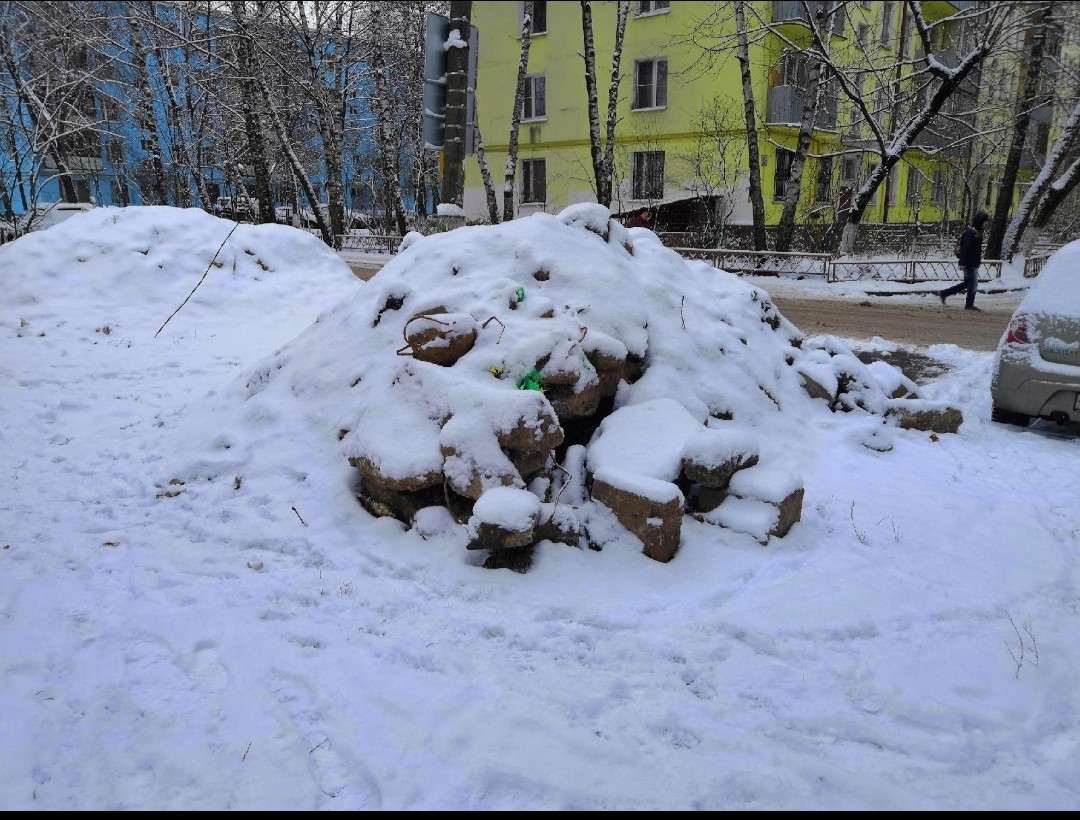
(485, 171)
(384, 135)
(816, 81)
(515, 119)
(257, 153)
(753, 154)
(154, 187)
(602, 152)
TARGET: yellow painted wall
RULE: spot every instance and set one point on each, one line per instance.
(562, 137)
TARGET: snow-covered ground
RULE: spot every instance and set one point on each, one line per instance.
(196, 613)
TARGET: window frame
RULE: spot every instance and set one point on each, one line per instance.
(654, 62)
(543, 16)
(913, 194)
(529, 180)
(530, 96)
(639, 11)
(856, 162)
(642, 176)
(887, 14)
(780, 182)
(862, 35)
(823, 187)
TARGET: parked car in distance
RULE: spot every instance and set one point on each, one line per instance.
(354, 220)
(239, 208)
(1036, 371)
(46, 214)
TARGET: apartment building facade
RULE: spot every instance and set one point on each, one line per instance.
(681, 142)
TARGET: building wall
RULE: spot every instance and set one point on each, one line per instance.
(695, 80)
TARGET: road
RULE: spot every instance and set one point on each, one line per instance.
(904, 323)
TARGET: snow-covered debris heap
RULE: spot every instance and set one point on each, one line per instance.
(524, 373)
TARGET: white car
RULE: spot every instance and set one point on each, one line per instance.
(1036, 370)
(46, 214)
(355, 221)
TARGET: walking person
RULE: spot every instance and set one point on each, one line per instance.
(969, 258)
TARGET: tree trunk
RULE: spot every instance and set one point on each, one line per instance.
(816, 80)
(613, 103)
(329, 110)
(515, 120)
(457, 97)
(596, 150)
(384, 136)
(1029, 70)
(250, 82)
(183, 123)
(294, 162)
(1044, 184)
(757, 204)
(157, 192)
(485, 171)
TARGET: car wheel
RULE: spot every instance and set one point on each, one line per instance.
(1002, 416)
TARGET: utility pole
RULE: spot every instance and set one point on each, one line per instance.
(457, 89)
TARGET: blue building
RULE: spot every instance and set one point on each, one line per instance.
(149, 116)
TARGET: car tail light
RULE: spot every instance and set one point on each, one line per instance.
(1017, 334)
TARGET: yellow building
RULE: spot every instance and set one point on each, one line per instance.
(681, 139)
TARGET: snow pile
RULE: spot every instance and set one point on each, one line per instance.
(157, 256)
(541, 355)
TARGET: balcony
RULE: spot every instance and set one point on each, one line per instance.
(792, 12)
(785, 107)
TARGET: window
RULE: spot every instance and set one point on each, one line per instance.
(914, 187)
(793, 68)
(824, 179)
(989, 191)
(782, 173)
(110, 109)
(534, 106)
(534, 180)
(114, 153)
(937, 189)
(82, 190)
(894, 180)
(886, 23)
(862, 35)
(650, 83)
(838, 19)
(849, 169)
(118, 193)
(651, 7)
(539, 16)
(648, 182)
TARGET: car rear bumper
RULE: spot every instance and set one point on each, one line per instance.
(1025, 383)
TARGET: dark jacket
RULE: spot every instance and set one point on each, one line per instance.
(971, 243)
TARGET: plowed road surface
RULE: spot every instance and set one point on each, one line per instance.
(903, 322)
